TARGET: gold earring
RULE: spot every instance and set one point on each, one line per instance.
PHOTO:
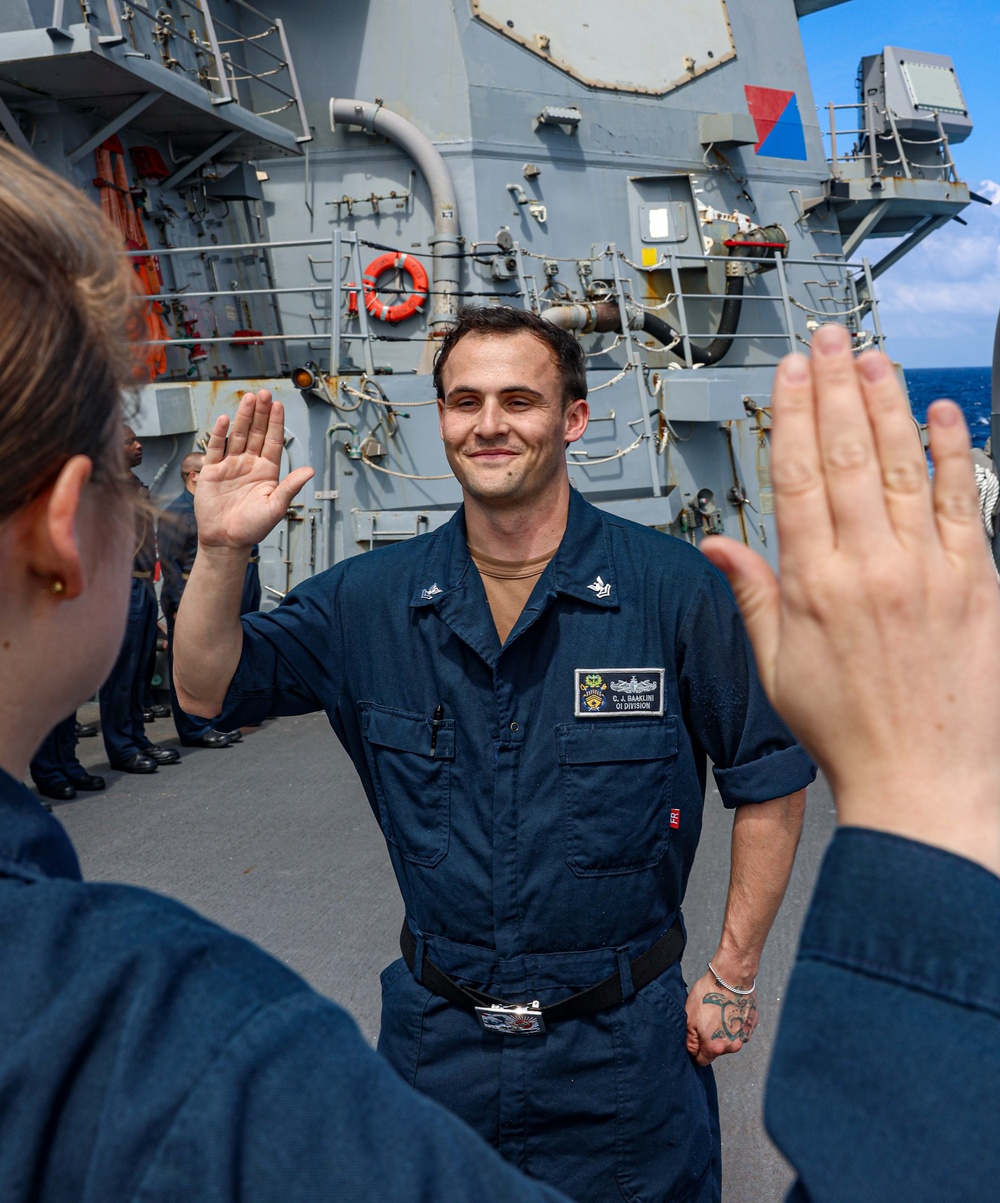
(57, 587)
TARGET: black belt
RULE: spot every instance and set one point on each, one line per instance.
(496, 1015)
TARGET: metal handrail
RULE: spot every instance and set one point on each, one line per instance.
(260, 78)
(228, 246)
(295, 242)
(221, 84)
(346, 277)
(254, 39)
(229, 292)
(275, 25)
(870, 153)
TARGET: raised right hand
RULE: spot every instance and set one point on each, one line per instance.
(239, 498)
(880, 645)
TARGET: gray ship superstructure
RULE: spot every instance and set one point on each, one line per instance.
(310, 194)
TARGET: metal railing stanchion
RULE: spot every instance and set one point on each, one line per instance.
(362, 307)
(335, 303)
(873, 303)
(635, 360)
(779, 263)
(305, 136)
(213, 42)
(681, 312)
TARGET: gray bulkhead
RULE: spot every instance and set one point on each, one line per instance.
(642, 160)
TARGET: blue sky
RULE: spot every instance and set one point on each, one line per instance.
(939, 304)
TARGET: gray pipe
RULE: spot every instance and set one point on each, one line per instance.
(587, 318)
(601, 317)
(444, 243)
(570, 317)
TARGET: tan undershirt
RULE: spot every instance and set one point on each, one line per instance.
(508, 585)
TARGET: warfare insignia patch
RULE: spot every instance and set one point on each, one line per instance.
(594, 692)
(609, 692)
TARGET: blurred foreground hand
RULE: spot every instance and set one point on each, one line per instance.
(880, 644)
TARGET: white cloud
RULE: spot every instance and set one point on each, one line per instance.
(990, 189)
(945, 294)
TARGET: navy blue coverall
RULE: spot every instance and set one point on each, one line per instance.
(122, 696)
(178, 547)
(541, 836)
(146, 1054)
(885, 1076)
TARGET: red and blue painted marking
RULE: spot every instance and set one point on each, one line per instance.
(776, 115)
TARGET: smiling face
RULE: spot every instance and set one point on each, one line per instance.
(503, 421)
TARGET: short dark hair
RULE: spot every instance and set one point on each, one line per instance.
(186, 464)
(566, 352)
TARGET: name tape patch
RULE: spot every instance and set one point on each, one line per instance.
(611, 692)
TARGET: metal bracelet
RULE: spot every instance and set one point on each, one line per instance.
(726, 985)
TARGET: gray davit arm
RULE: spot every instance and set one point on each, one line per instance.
(445, 247)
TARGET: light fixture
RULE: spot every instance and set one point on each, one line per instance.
(704, 502)
(305, 377)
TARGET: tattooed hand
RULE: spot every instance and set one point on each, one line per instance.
(718, 1021)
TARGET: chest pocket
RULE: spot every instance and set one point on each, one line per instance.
(616, 781)
(412, 786)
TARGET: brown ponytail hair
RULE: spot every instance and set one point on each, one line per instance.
(67, 310)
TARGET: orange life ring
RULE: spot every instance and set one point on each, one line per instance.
(413, 303)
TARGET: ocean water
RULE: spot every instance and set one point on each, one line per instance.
(970, 387)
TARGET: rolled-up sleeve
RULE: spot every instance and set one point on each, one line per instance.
(292, 659)
(754, 755)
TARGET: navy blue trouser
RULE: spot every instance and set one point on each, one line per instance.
(122, 694)
(189, 726)
(148, 701)
(609, 1107)
(55, 762)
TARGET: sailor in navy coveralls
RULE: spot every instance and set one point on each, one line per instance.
(147, 1054)
(541, 794)
(123, 693)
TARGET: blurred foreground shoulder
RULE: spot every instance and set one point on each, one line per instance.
(184, 1062)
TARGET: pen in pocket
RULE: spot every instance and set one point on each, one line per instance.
(435, 723)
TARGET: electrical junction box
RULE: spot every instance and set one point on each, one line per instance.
(727, 129)
(241, 183)
(915, 86)
(164, 409)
